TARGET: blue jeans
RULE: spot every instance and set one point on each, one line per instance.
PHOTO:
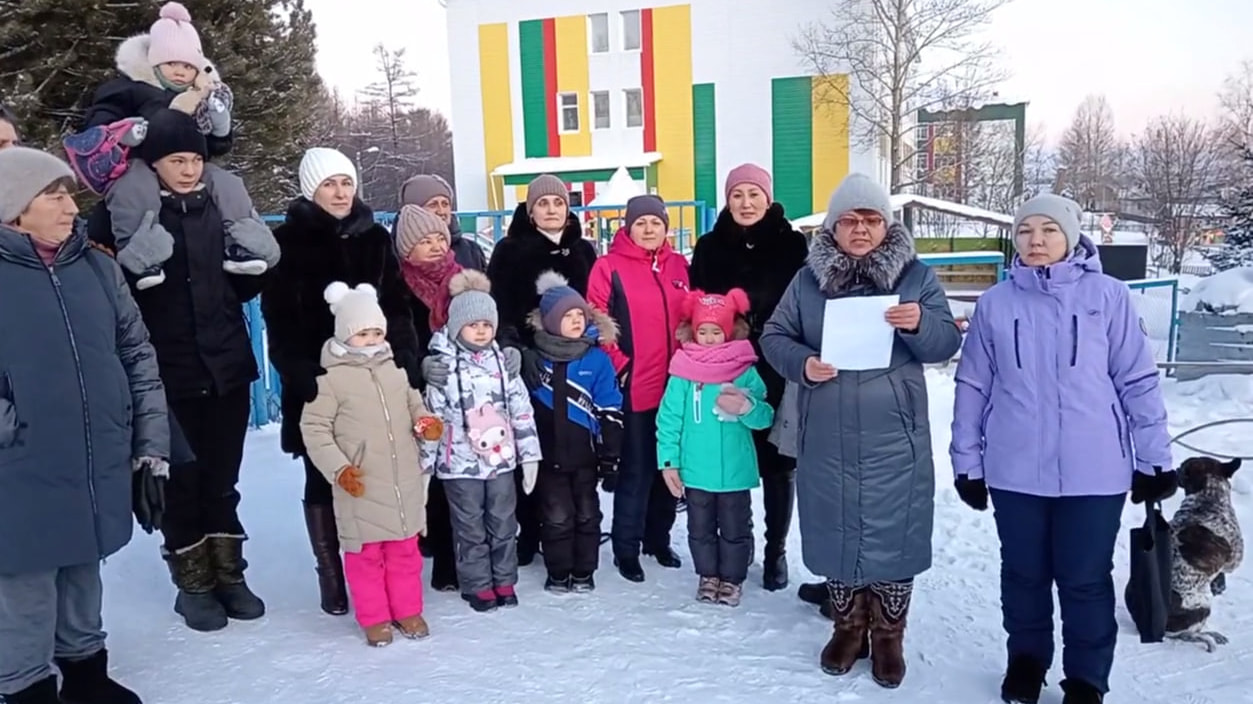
(1068, 541)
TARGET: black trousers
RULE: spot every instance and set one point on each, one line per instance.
(720, 533)
(201, 497)
(570, 515)
(317, 489)
(528, 513)
(438, 543)
(778, 489)
(643, 508)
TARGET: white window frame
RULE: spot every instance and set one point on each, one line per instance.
(562, 107)
(626, 106)
(592, 100)
(639, 29)
(591, 33)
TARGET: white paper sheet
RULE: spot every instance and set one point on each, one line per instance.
(855, 335)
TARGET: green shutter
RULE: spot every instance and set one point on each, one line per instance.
(705, 155)
(534, 100)
(792, 138)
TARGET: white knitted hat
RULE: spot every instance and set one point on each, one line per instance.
(355, 309)
(319, 164)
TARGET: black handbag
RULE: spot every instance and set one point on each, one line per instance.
(1148, 588)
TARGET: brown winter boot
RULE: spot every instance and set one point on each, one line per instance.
(413, 627)
(849, 643)
(378, 635)
(889, 607)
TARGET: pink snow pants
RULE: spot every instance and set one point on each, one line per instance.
(385, 580)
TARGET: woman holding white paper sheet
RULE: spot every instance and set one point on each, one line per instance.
(865, 479)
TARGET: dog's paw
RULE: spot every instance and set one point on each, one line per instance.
(1217, 638)
(1218, 585)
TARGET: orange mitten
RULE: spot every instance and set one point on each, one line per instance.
(349, 480)
(429, 428)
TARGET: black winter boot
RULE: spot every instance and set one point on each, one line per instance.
(1024, 678)
(193, 575)
(813, 593)
(324, 539)
(42, 692)
(227, 557)
(665, 556)
(87, 681)
(629, 568)
(778, 495)
(1080, 692)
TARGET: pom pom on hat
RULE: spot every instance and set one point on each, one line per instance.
(471, 301)
(173, 38)
(355, 309)
(557, 298)
(175, 11)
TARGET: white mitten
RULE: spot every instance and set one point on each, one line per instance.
(530, 473)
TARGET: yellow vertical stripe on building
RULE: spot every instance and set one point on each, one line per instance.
(519, 192)
(672, 81)
(497, 105)
(830, 137)
(572, 77)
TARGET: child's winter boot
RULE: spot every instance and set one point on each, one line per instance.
(707, 590)
(242, 262)
(506, 597)
(483, 601)
(42, 692)
(413, 627)
(1080, 692)
(730, 593)
(582, 583)
(1024, 678)
(379, 635)
(557, 584)
(87, 681)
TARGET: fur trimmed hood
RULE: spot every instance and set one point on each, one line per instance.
(606, 327)
(837, 272)
(132, 61)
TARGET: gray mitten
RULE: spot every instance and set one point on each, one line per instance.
(219, 117)
(513, 360)
(436, 371)
(256, 238)
(151, 245)
(136, 134)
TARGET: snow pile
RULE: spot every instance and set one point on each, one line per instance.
(1230, 291)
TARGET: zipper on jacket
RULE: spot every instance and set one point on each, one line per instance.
(82, 390)
(1017, 354)
(665, 307)
(1122, 448)
(696, 401)
(391, 444)
(1074, 339)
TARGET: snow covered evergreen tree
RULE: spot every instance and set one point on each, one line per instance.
(56, 52)
(1237, 247)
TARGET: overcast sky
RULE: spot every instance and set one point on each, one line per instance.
(1146, 56)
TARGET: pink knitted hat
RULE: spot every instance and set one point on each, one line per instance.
(751, 174)
(173, 38)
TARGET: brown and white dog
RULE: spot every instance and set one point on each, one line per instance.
(1206, 545)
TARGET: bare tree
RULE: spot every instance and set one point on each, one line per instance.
(1236, 100)
(1039, 163)
(393, 93)
(1089, 155)
(901, 56)
(1177, 164)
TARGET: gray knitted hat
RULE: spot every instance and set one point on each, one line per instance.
(1060, 209)
(545, 185)
(857, 192)
(420, 189)
(648, 204)
(471, 301)
(24, 174)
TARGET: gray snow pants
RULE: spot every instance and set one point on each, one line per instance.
(142, 246)
(485, 528)
(46, 615)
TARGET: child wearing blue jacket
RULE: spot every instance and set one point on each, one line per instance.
(578, 411)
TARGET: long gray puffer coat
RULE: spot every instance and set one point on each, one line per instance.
(865, 479)
(80, 397)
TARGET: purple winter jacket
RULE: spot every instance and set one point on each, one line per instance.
(1057, 392)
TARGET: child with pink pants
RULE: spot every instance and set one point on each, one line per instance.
(362, 432)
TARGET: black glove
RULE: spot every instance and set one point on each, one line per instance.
(148, 492)
(532, 369)
(973, 492)
(1154, 487)
(1218, 585)
(608, 474)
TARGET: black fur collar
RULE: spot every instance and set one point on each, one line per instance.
(837, 272)
(308, 216)
(521, 228)
(764, 232)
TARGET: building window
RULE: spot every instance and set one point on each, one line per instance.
(631, 30)
(600, 109)
(568, 108)
(599, 33)
(634, 107)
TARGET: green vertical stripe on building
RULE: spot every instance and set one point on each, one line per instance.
(792, 139)
(704, 131)
(534, 100)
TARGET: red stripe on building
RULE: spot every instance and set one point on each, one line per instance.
(589, 194)
(550, 87)
(647, 85)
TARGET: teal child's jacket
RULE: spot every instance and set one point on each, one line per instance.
(711, 454)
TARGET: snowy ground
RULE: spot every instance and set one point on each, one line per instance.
(649, 642)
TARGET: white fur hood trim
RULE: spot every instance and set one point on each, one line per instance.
(132, 61)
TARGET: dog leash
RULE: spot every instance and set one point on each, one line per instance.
(1177, 440)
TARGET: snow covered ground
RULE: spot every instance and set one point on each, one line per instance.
(649, 642)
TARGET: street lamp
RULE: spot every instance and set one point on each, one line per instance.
(361, 170)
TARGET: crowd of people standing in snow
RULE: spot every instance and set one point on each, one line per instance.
(467, 409)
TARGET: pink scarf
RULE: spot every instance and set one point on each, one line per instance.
(720, 364)
(429, 282)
